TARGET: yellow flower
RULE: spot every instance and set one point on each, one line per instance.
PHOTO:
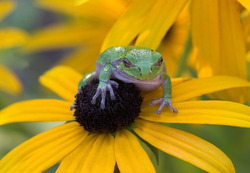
(94, 20)
(77, 151)
(217, 39)
(219, 42)
(9, 37)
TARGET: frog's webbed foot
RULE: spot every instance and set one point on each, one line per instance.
(102, 89)
(163, 102)
(73, 104)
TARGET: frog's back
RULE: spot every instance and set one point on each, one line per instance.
(110, 55)
(115, 53)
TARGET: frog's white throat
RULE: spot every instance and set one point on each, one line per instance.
(144, 85)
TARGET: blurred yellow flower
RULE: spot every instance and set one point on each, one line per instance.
(218, 41)
(77, 151)
(94, 20)
(9, 37)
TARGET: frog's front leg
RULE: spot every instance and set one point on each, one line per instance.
(104, 84)
(167, 93)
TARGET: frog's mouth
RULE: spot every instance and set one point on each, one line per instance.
(121, 75)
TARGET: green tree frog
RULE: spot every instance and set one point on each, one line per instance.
(138, 65)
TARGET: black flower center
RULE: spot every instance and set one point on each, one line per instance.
(118, 113)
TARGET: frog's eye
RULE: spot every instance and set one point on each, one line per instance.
(159, 62)
(127, 63)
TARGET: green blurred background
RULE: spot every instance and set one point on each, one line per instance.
(233, 141)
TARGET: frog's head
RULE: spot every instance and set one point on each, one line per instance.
(141, 63)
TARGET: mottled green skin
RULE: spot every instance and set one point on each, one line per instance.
(144, 58)
(139, 65)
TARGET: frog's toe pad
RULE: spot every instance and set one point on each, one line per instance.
(111, 91)
(72, 106)
(98, 92)
(155, 102)
(114, 83)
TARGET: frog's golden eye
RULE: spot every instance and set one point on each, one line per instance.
(159, 62)
(127, 63)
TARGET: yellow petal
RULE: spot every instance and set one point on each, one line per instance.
(80, 2)
(11, 37)
(159, 19)
(9, 81)
(105, 12)
(173, 43)
(64, 36)
(245, 3)
(128, 26)
(62, 80)
(64, 6)
(185, 146)
(246, 24)
(76, 59)
(5, 8)
(130, 155)
(197, 87)
(37, 110)
(217, 36)
(44, 150)
(94, 155)
(203, 112)
(75, 160)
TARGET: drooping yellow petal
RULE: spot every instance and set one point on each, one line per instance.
(245, 3)
(185, 146)
(38, 110)
(64, 36)
(174, 41)
(197, 87)
(80, 2)
(9, 82)
(5, 8)
(159, 20)
(63, 6)
(128, 26)
(246, 24)
(11, 37)
(217, 37)
(62, 80)
(77, 58)
(94, 155)
(202, 112)
(105, 12)
(44, 150)
(130, 155)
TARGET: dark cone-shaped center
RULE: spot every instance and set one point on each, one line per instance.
(118, 113)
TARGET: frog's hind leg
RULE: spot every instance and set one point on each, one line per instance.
(85, 79)
(167, 94)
